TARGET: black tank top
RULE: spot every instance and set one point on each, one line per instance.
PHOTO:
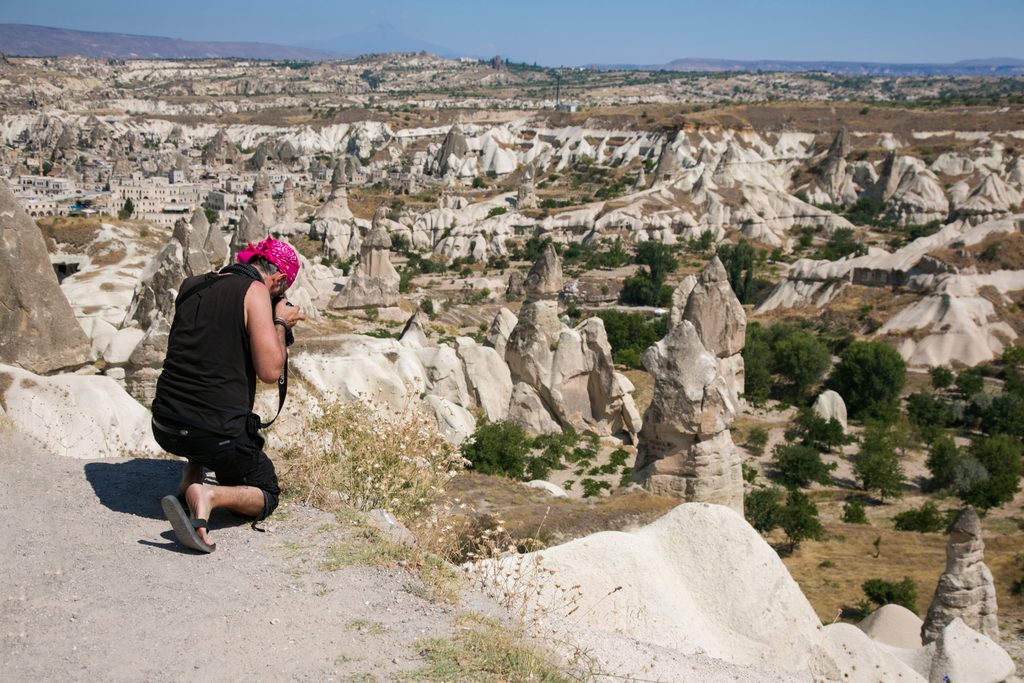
(208, 380)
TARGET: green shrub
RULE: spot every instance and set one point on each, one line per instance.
(497, 448)
(761, 508)
(756, 440)
(593, 488)
(842, 243)
(798, 518)
(853, 512)
(497, 211)
(749, 473)
(925, 519)
(997, 471)
(883, 592)
(798, 465)
(427, 306)
(627, 475)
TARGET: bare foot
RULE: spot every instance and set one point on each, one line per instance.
(200, 502)
(191, 474)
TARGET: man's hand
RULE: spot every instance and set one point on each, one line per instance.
(291, 315)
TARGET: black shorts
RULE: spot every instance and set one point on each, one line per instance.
(235, 461)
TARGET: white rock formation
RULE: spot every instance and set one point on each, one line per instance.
(966, 589)
(38, 330)
(571, 371)
(950, 320)
(685, 448)
(893, 625)
(77, 416)
(374, 281)
(831, 406)
(655, 602)
(544, 281)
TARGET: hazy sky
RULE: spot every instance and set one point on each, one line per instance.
(571, 32)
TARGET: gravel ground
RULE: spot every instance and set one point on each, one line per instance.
(96, 588)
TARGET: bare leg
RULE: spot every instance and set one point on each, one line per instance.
(204, 499)
(191, 474)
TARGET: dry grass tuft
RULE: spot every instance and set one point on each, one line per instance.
(484, 650)
(352, 455)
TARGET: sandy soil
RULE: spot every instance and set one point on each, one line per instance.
(96, 588)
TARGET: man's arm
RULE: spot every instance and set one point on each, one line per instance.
(265, 338)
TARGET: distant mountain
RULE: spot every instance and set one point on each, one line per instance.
(972, 67)
(44, 41)
(382, 38)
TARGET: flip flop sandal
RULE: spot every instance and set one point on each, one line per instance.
(185, 528)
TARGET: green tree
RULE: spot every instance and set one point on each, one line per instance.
(647, 287)
(999, 458)
(927, 413)
(818, 432)
(970, 382)
(877, 465)
(497, 448)
(127, 209)
(798, 518)
(1005, 415)
(658, 258)
(943, 458)
(941, 377)
(869, 376)
(741, 262)
(799, 359)
(757, 359)
(629, 334)
(1013, 370)
(761, 508)
(798, 465)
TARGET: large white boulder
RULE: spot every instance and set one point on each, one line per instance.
(78, 416)
(831, 406)
(664, 585)
(848, 654)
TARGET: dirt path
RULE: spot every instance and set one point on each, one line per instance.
(95, 587)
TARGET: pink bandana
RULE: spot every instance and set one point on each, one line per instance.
(277, 252)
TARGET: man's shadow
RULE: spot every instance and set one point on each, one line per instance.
(135, 487)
